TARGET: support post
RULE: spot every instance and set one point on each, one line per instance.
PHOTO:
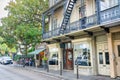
(98, 11)
(112, 57)
(52, 22)
(119, 6)
(43, 23)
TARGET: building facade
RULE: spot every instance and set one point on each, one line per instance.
(84, 33)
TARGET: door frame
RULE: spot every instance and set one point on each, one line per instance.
(103, 52)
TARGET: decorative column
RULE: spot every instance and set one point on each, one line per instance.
(98, 11)
(52, 22)
(43, 23)
(119, 6)
(94, 56)
(112, 56)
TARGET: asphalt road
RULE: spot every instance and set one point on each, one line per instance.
(10, 73)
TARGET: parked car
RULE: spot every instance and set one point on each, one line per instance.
(53, 60)
(83, 61)
(1, 59)
(6, 60)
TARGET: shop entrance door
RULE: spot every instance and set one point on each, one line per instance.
(68, 56)
(69, 59)
(103, 59)
(117, 54)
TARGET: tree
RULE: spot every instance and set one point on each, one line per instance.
(23, 24)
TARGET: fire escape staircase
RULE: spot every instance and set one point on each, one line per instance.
(67, 15)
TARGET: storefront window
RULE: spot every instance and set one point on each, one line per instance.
(53, 60)
(82, 54)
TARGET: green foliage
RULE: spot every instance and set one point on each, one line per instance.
(23, 24)
(31, 49)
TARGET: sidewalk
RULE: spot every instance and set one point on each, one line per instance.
(66, 75)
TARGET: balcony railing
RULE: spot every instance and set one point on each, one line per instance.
(75, 26)
(56, 32)
(110, 14)
(91, 20)
(107, 15)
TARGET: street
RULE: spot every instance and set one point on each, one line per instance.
(11, 73)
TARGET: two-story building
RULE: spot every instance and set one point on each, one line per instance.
(83, 32)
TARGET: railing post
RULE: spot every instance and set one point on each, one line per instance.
(119, 6)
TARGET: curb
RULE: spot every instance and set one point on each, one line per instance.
(47, 73)
(43, 72)
(50, 74)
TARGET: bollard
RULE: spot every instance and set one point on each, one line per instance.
(77, 71)
(60, 67)
(47, 66)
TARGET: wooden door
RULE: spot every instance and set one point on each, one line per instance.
(69, 59)
(103, 59)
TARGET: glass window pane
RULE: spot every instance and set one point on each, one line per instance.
(66, 46)
(105, 4)
(69, 45)
(107, 58)
(100, 58)
(119, 50)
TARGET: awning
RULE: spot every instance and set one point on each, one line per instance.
(37, 51)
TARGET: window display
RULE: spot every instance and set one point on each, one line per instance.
(82, 54)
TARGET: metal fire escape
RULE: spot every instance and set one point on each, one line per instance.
(67, 15)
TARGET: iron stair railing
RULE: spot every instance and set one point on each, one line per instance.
(67, 15)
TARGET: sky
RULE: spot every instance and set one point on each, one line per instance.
(3, 13)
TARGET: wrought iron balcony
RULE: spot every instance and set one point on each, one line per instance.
(106, 16)
(75, 26)
(51, 33)
(110, 14)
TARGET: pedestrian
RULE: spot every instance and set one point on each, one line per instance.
(30, 62)
(26, 62)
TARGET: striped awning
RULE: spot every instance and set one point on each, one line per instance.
(37, 51)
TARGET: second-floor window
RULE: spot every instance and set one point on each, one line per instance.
(82, 9)
(105, 4)
(54, 24)
(55, 1)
